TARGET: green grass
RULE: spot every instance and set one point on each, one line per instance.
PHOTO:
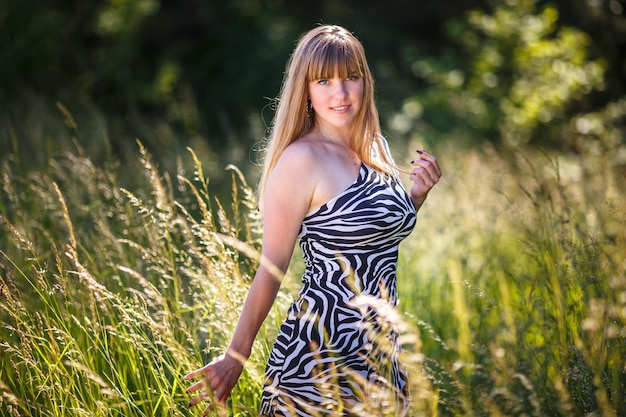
(512, 287)
(515, 278)
(109, 297)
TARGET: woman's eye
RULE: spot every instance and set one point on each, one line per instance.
(352, 78)
(323, 82)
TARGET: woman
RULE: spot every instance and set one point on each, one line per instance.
(330, 183)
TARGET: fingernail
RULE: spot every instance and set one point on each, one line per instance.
(419, 152)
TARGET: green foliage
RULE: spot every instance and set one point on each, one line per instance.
(518, 79)
(184, 73)
(145, 58)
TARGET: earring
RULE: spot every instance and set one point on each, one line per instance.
(309, 108)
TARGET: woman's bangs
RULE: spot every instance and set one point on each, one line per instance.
(334, 59)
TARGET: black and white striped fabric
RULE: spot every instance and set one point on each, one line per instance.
(336, 352)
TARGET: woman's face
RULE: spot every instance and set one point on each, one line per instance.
(336, 101)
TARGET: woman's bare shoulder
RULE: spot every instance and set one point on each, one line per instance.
(292, 181)
(301, 154)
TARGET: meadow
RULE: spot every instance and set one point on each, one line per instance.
(512, 287)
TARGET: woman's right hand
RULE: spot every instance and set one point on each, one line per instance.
(286, 201)
(218, 378)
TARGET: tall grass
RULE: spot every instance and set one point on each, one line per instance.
(110, 296)
(513, 288)
(516, 280)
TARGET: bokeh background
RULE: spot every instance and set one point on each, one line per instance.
(202, 73)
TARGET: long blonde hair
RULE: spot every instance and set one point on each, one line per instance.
(320, 53)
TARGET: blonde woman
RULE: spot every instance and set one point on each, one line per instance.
(330, 184)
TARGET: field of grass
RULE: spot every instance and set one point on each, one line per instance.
(512, 287)
(516, 281)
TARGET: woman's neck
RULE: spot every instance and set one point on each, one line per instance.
(333, 135)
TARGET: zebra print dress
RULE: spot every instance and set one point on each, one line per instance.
(336, 352)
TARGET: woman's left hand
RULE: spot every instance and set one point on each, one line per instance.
(425, 174)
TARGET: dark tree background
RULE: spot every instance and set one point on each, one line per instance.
(177, 73)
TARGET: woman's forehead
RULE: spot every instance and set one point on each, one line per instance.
(336, 66)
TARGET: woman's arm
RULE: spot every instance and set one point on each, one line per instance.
(286, 201)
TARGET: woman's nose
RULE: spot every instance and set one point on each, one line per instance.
(341, 90)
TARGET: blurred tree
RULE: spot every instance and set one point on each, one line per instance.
(605, 22)
(43, 45)
(182, 70)
(177, 71)
(517, 76)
